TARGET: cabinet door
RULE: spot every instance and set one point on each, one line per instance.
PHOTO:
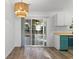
(60, 19)
(57, 42)
(63, 42)
(68, 19)
(64, 19)
(70, 41)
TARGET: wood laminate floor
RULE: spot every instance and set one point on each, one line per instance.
(37, 53)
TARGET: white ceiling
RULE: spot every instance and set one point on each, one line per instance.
(49, 5)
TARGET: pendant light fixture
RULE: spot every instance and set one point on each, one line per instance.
(21, 9)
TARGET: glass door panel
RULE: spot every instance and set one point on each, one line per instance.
(27, 31)
(37, 32)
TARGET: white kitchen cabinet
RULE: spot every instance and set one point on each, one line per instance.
(60, 19)
(63, 19)
(68, 19)
(57, 42)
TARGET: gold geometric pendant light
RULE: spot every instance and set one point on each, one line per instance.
(21, 9)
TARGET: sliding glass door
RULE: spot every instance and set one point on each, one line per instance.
(35, 32)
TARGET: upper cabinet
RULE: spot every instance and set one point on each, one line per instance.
(68, 19)
(63, 19)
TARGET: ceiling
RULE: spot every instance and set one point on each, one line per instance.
(49, 5)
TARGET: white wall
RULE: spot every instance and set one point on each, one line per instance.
(12, 29)
(69, 7)
(9, 27)
(38, 15)
(18, 32)
(50, 31)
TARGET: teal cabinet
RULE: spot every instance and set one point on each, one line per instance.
(70, 42)
(63, 42)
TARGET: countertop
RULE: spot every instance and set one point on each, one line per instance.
(63, 33)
